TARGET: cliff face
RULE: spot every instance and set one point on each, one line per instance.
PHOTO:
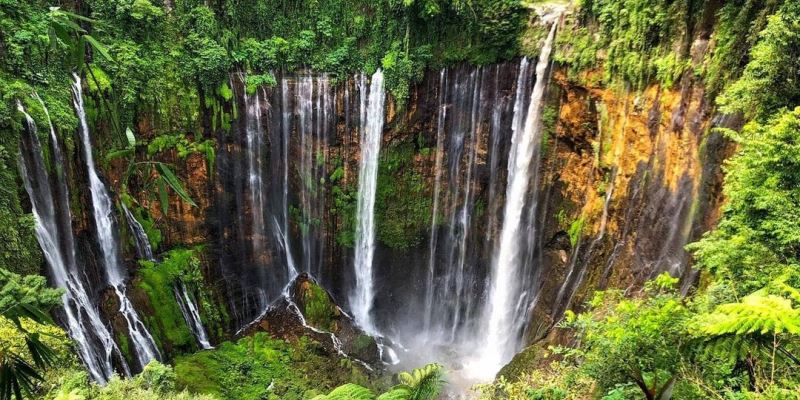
(627, 178)
(639, 176)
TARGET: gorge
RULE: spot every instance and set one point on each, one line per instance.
(295, 199)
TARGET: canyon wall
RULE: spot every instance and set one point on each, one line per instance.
(626, 179)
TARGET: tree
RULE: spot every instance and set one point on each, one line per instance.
(421, 384)
(758, 238)
(24, 353)
(761, 329)
(634, 341)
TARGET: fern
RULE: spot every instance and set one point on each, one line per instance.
(348, 391)
(397, 393)
(420, 384)
(756, 314)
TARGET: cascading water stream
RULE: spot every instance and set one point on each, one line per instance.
(506, 316)
(372, 131)
(185, 301)
(191, 314)
(143, 343)
(312, 106)
(254, 134)
(143, 248)
(430, 283)
(94, 341)
(281, 229)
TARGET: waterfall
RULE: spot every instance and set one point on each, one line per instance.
(430, 274)
(191, 314)
(453, 278)
(281, 229)
(143, 343)
(254, 134)
(371, 133)
(185, 302)
(506, 313)
(50, 205)
(313, 108)
(143, 249)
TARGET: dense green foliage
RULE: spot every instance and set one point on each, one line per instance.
(757, 241)
(639, 42)
(29, 341)
(632, 40)
(156, 382)
(768, 83)
(662, 346)
(317, 306)
(421, 384)
(160, 280)
(402, 201)
(259, 367)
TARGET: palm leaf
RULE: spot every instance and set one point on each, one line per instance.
(755, 314)
(98, 46)
(43, 356)
(131, 137)
(397, 393)
(16, 377)
(174, 183)
(163, 196)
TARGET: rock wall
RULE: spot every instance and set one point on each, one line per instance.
(629, 178)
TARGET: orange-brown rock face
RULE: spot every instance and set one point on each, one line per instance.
(631, 178)
(627, 179)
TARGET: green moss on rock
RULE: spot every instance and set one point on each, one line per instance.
(318, 308)
(166, 323)
(402, 203)
(260, 367)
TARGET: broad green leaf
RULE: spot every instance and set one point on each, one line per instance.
(163, 196)
(131, 137)
(99, 47)
(114, 154)
(173, 182)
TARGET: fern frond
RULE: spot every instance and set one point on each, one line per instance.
(424, 383)
(399, 392)
(349, 391)
(755, 314)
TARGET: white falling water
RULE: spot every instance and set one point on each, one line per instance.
(430, 285)
(191, 314)
(372, 130)
(255, 182)
(283, 230)
(94, 342)
(305, 119)
(185, 302)
(143, 248)
(503, 321)
(143, 343)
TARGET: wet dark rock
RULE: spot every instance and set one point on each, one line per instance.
(310, 311)
(529, 359)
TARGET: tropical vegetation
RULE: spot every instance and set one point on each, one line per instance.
(158, 90)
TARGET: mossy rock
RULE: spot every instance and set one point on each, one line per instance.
(526, 360)
(316, 304)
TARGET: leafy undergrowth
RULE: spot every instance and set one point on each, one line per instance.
(261, 367)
